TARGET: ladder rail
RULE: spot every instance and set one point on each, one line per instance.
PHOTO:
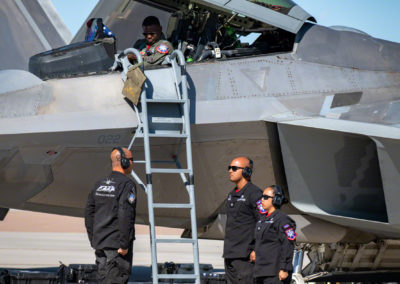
(153, 245)
(139, 127)
(189, 159)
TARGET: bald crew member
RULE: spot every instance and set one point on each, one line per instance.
(110, 220)
(242, 216)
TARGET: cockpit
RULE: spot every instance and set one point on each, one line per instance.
(204, 30)
(208, 29)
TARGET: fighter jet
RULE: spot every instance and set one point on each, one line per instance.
(316, 108)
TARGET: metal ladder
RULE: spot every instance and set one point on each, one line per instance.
(146, 130)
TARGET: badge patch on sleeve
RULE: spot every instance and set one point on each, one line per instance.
(290, 233)
(131, 198)
(260, 208)
(162, 48)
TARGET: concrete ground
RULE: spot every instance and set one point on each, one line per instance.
(30, 239)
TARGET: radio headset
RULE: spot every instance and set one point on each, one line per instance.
(278, 199)
(124, 161)
(247, 171)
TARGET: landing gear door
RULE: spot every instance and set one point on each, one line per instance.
(284, 14)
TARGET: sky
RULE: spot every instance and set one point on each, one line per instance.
(378, 18)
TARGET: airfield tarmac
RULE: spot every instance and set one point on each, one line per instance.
(32, 240)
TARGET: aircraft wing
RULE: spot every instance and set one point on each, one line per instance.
(29, 27)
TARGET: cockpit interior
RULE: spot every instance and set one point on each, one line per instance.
(203, 31)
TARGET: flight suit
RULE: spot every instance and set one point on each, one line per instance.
(275, 236)
(242, 215)
(110, 223)
(154, 54)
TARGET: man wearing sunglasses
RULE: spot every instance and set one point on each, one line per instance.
(110, 220)
(242, 216)
(153, 48)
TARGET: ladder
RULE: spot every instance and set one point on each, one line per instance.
(166, 115)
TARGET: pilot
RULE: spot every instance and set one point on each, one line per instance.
(275, 236)
(110, 220)
(242, 216)
(153, 48)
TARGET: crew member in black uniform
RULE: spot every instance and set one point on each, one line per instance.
(110, 220)
(275, 236)
(242, 216)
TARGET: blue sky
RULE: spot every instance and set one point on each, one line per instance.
(378, 18)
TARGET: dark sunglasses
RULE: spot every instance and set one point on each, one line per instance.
(145, 34)
(234, 168)
(130, 159)
(265, 197)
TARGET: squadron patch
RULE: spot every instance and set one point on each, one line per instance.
(290, 233)
(260, 208)
(131, 198)
(162, 48)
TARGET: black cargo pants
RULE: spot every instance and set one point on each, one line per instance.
(113, 268)
(239, 271)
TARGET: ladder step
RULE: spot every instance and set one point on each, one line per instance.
(177, 276)
(156, 119)
(175, 241)
(170, 171)
(170, 101)
(168, 135)
(172, 205)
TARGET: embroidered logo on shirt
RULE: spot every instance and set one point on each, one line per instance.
(162, 48)
(109, 181)
(242, 198)
(131, 198)
(105, 188)
(290, 234)
(260, 208)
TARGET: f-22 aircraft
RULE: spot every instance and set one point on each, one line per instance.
(316, 108)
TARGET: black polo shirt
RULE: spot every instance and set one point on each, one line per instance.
(242, 215)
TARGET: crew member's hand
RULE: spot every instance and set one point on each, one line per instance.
(283, 275)
(122, 251)
(253, 256)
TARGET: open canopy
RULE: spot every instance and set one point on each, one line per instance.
(284, 14)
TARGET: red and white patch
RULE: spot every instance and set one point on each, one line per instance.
(142, 52)
(260, 208)
(162, 48)
(290, 234)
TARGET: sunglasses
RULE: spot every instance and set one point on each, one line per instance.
(265, 197)
(130, 159)
(152, 34)
(234, 168)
